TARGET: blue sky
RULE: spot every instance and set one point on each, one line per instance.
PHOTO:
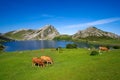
(68, 16)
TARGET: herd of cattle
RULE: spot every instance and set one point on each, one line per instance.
(46, 60)
(41, 61)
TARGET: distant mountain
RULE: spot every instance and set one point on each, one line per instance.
(3, 38)
(48, 32)
(93, 32)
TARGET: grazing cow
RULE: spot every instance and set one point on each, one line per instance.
(46, 60)
(37, 61)
(103, 49)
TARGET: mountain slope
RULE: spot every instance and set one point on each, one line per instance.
(18, 34)
(4, 39)
(93, 32)
(47, 32)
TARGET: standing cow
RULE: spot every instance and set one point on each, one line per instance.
(103, 48)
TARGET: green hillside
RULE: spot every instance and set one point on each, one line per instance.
(18, 35)
(4, 39)
(63, 37)
(69, 64)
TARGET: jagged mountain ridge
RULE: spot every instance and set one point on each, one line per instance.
(47, 32)
(94, 32)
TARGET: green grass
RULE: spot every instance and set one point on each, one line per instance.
(69, 64)
(107, 42)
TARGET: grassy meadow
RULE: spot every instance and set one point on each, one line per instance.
(69, 64)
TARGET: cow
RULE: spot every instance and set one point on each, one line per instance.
(101, 48)
(37, 61)
(46, 60)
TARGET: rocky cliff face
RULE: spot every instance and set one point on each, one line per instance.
(94, 32)
(48, 32)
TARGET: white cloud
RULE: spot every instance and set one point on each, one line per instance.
(98, 22)
(47, 15)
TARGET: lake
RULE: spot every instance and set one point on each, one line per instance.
(37, 44)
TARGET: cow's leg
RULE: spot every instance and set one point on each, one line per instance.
(99, 51)
(33, 64)
(42, 65)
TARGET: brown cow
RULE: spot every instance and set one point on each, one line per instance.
(46, 59)
(37, 61)
(103, 49)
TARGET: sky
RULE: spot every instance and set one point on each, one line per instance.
(67, 16)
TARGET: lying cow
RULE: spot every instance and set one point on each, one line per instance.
(37, 61)
(46, 59)
(103, 49)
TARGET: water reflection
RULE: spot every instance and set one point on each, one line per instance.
(33, 44)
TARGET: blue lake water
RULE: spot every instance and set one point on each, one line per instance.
(37, 44)
(33, 44)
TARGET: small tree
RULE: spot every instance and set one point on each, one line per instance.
(93, 53)
(74, 45)
(70, 46)
(116, 47)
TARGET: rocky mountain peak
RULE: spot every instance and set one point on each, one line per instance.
(46, 32)
(46, 26)
(94, 32)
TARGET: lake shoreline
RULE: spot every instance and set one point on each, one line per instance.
(21, 45)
